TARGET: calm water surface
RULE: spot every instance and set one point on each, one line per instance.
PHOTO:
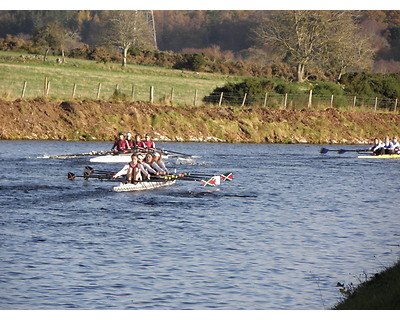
(290, 226)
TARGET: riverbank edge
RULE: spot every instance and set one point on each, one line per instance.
(380, 292)
(87, 120)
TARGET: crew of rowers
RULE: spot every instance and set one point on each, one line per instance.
(386, 147)
(141, 166)
(122, 145)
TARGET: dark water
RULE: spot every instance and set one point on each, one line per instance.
(280, 236)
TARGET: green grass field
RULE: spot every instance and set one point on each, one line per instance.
(14, 71)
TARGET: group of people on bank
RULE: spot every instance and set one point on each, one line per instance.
(386, 147)
(145, 161)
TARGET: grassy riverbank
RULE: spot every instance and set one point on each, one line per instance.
(101, 120)
(381, 292)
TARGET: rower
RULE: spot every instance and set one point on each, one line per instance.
(151, 166)
(377, 147)
(138, 142)
(120, 145)
(158, 159)
(396, 145)
(388, 146)
(148, 143)
(129, 140)
(133, 171)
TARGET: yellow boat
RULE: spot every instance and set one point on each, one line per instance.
(381, 156)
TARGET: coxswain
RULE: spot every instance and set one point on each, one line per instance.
(148, 143)
(133, 171)
(131, 143)
(377, 147)
(120, 145)
(158, 159)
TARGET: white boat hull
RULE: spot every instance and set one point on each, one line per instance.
(145, 185)
(118, 158)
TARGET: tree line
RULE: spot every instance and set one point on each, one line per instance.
(308, 44)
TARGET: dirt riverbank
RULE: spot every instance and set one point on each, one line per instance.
(100, 120)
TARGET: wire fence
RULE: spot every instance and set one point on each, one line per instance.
(195, 97)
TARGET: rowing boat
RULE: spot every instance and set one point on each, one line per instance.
(144, 185)
(116, 158)
(381, 156)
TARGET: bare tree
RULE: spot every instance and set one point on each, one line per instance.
(321, 37)
(126, 29)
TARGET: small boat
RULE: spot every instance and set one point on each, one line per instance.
(143, 185)
(381, 156)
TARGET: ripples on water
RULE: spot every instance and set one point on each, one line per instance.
(280, 236)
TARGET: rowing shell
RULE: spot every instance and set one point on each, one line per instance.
(117, 158)
(145, 185)
(381, 156)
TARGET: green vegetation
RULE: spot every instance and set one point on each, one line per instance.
(86, 74)
(381, 292)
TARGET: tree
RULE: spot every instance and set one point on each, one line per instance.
(324, 38)
(126, 29)
(51, 36)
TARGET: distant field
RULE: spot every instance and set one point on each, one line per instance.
(15, 70)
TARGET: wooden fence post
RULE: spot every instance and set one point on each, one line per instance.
(23, 90)
(45, 86)
(395, 105)
(171, 98)
(133, 93)
(354, 101)
(220, 99)
(151, 94)
(309, 100)
(376, 103)
(244, 99)
(74, 91)
(265, 99)
(285, 101)
(98, 91)
(195, 98)
(331, 101)
(48, 89)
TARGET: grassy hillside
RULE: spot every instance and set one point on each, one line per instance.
(15, 68)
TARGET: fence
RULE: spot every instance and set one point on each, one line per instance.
(150, 94)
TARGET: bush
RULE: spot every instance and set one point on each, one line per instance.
(234, 92)
(372, 85)
(191, 61)
(328, 88)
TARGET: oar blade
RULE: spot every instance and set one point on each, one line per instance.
(227, 176)
(71, 176)
(324, 150)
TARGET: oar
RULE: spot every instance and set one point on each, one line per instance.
(92, 153)
(341, 151)
(72, 176)
(91, 170)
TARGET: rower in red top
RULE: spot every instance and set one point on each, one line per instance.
(138, 142)
(148, 143)
(120, 145)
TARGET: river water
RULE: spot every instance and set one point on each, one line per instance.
(291, 224)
